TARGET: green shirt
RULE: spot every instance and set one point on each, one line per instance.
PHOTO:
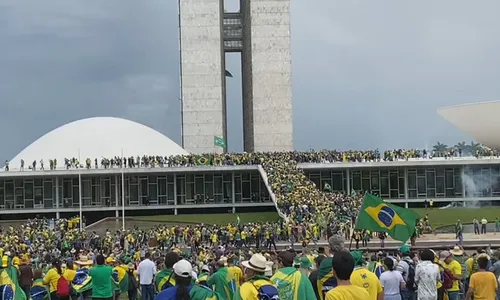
(102, 282)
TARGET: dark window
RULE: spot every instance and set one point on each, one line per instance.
(375, 180)
(356, 180)
(421, 187)
(431, 179)
(384, 186)
(440, 186)
(338, 182)
(412, 180)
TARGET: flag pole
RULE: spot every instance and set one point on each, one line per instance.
(80, 209)
(123, 194)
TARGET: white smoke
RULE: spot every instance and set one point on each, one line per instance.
(476, 186)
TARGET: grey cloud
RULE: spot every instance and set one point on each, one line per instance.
(366, 74)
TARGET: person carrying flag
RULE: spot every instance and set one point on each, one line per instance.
(292, 284)
(223, 281)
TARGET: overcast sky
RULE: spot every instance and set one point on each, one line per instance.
(366, 74)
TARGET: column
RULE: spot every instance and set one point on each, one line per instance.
(348, 175)
(58, 215)
(462, 175)
(175, 194)
(117, 197)
(406, 187)
(233, 188)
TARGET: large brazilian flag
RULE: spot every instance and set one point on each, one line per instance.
(379, 216)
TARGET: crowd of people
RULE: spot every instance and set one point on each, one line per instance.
(313, 156)
(46, 260)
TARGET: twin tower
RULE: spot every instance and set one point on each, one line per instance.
(260, 31)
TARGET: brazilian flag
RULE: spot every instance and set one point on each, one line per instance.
(82, 281)
(38, 290)
(120, 278)
(377, 215)
(203, 160)
(9, 284)
(164, 279)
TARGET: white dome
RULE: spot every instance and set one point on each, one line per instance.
(97, 138)
(479, 120)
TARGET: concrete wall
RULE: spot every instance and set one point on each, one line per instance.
(202, 74)
(267, 91)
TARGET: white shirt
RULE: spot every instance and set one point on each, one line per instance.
(146, 271)
(391, 282)
(427, 276)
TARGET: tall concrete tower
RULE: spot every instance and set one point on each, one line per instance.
(260, 31)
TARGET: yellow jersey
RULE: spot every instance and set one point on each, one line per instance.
(456, 269)
(367, 280)
(347, 292)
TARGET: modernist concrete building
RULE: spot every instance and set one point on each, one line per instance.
(479, 120)
(260, 31)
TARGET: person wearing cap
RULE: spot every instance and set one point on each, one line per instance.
(290, 281)
(102, 282)
(184, 287)
(204, 274)
(254, 270)
(133, 283)
(447, 261)
(223, 281)
(404, 266)
(363, 278)
(343, 266)
(326, 280)
(305, 266)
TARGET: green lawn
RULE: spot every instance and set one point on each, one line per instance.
(437, 217)
(442, 217)
(213, 218)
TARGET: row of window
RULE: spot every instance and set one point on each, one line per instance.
(139, 190)
(421, 182)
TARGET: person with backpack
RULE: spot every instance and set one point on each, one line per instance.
(257, 286)
(59, 286)
(406, 267)
(292, 283)
(427, 276)
(449, 263)
(102, 280)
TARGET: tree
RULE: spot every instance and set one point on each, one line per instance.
(462, 147)
(473, 147)
(440, 148)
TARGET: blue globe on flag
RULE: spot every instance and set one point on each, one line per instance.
(386, 215)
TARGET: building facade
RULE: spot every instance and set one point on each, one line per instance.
(144, 189)
(260, 31)
(407, 183)
(412, 182)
